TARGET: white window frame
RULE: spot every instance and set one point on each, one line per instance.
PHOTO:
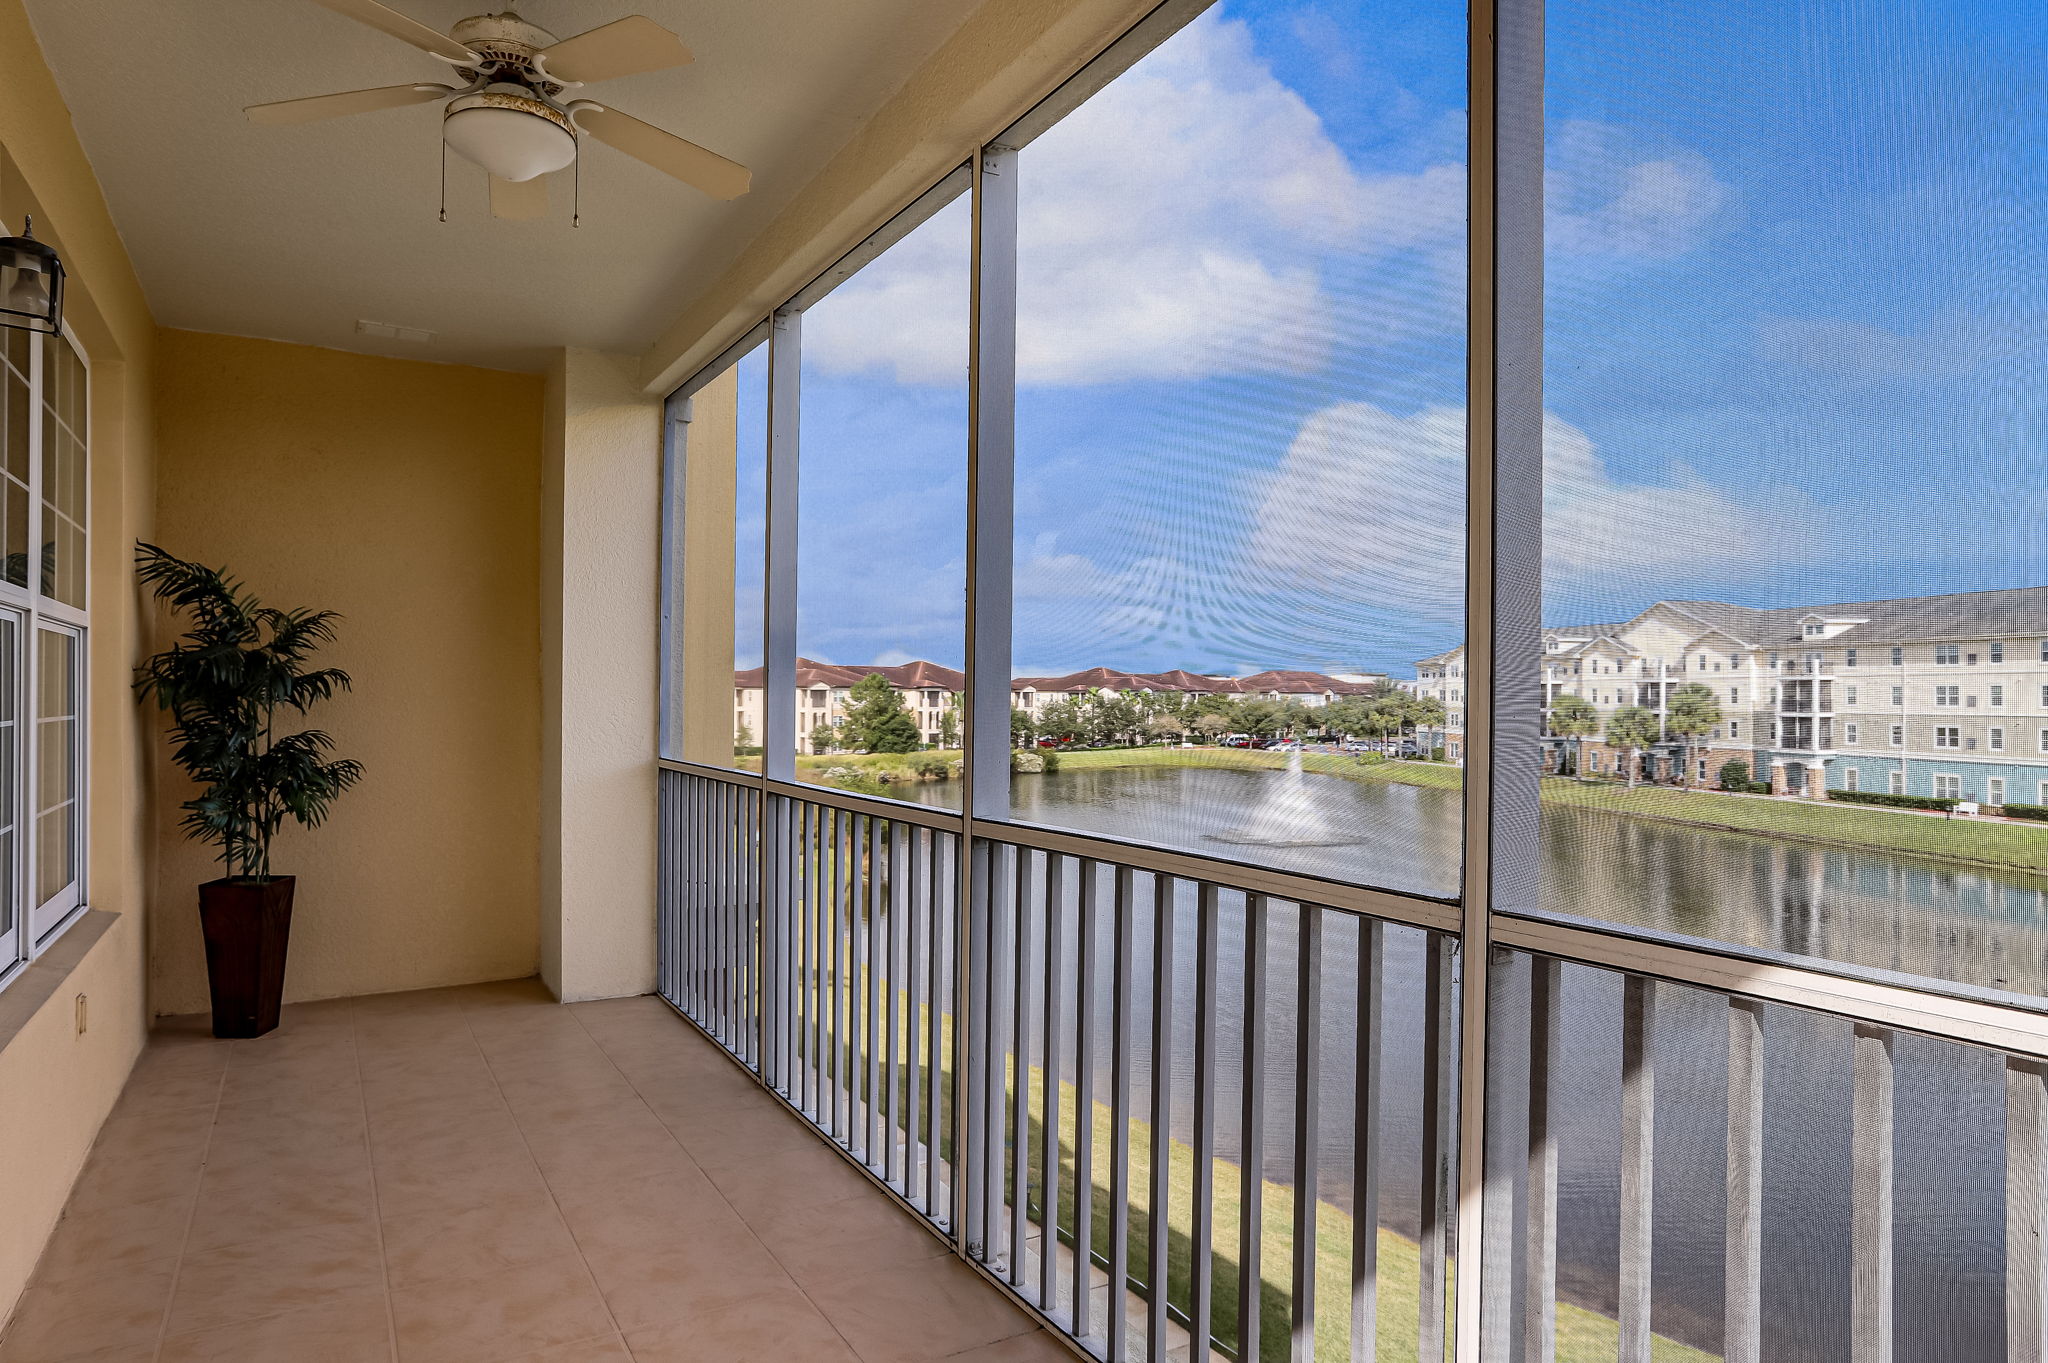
(1994, 790)
(1852, 779)
(1948, 697)
(1954, 734)
(1997, 738)
(1898, 735)
(1849, 732)
(38, 925)
(1896, 782)
(1953, 784)
(1948, 655)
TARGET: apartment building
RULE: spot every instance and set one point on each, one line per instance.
(1930, 695)
(929, 691)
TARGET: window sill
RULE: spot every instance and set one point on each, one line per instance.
(29, 988)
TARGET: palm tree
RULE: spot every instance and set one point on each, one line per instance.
(1632, 729)
(1693, 711)
(1574, 717)
(224, 684)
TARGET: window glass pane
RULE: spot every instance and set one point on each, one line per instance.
(15, 403)
(56, 763)
(715, 531)
(882, 521)
(10, 775)
(1241, 446)
(63, 518)
(1792, 344)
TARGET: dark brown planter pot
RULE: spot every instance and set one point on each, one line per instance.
(247, 923)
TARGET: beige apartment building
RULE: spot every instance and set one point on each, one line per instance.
(929, 691)
(1933, 695)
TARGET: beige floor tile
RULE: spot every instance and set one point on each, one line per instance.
(108, 1312)
(604, 1349)
(702, 1270)
(133, 1233)
(438, 1116)
(1035, 1347)
(779, 1326)
(585, 1154)
(738, 1136)
(117, 1177)
(429, 1246)
(817, 1238)
(274, 1274)
(807, 1173)
(253, 1202)
(344, 1328)
(914, 1312)
(499, 1315)
(417, 1180)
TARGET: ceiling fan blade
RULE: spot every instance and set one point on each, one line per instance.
(387, 20)
(624, 47)
(519, 200)
(315, 107)
(667, 153)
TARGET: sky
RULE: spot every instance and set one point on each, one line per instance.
(1796, 323)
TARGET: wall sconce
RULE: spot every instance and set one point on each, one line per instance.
(31, 284)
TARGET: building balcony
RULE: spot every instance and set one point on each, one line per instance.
(480, 1174)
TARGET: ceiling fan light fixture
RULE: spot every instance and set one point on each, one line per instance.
(509, 133)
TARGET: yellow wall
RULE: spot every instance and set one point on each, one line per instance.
(55, 1084)
(406, 496)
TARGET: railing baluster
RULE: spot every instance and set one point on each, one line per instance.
(810, 978)
(974, 1098)
(1084, 1103)
(1638, 1163)
(1001, 981)
(1308, 1024)
(877, 980)
(1439, 1044)
(917, 1156)
(895, 1167)
(2026, 1211)
(1365, 1145)
(1120, 1123)
(844, 827)
(1546, 1002)
(1870, 1236)
(1022, 911)
(857, 977)
(1202, 1223)
(1049, 1114)
(1252, 1141)
(1742, 1311)
(1159, 1232)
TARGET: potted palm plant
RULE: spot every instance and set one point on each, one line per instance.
(239, 666)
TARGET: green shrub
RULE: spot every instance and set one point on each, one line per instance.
(1735, 775)
(1436, 754)
(1371, 759)
(2039, 813)
(932, 767)
(1879, 797)
(1052, 762)
(853, 780)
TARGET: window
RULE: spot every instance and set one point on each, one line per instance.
(43, 440)
(1162, 279)
(883, 429)
(1849, 734)
(1849, 692)
(1849, 660)
(1948, 695)
(1997, 739)
(1815, 631)
(1946, 654)
(1948, 787)
(1734, 728)
(1852, 779)
(1994, 790)
(1896, 782)
(2041, 787)
(2044, 740)
(1898, 656)
(1898, 695)
(1997, 651)
(1948, 736)
(1898, 735)
(1997, 697)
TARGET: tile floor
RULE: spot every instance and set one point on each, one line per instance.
(479, 1175)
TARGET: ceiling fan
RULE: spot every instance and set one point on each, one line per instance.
(514, 113)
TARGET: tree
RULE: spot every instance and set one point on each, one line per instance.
(949, 723)
(875, 720)
(1692, 712)
(1575, 718)
(1023, 728)
(1261, 718)
(224, 683)
(1735, 774)
(1064, 720)
(1211, 725)
(1165, 726)
(743, 736)
(1632, 729)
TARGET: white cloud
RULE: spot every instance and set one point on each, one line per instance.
(1604, 198)
(1179, 224)
(1952, 346)
(1369, 502)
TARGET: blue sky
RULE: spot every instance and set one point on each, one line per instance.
(1796, 333)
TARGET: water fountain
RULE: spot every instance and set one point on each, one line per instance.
(1287, 816)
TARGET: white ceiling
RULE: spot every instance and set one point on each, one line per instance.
(298, 232)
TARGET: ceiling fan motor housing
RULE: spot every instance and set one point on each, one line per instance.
(509, 132)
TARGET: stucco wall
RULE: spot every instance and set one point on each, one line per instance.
(56, 1084)
(406, 496)
(600, 605)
